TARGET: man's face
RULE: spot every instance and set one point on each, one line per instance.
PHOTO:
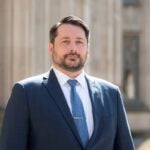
(70, 48)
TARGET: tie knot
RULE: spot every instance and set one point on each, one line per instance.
(72, 82)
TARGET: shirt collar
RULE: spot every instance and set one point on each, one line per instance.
(63, 78)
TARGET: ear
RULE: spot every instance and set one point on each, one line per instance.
(50, 47)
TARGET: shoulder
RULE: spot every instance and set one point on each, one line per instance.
(101, 83)
(105, 89)
(33, 80)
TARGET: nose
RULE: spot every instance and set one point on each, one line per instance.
(73, 47)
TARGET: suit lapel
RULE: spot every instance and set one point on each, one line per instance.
(95, 95)
(54, 89)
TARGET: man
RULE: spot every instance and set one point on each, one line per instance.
(66, 109)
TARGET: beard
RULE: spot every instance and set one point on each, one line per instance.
(71, 62)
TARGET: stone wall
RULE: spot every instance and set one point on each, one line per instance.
(24, 32)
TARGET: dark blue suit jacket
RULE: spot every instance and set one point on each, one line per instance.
(37, 117)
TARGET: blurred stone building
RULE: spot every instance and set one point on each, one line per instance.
(119, 49)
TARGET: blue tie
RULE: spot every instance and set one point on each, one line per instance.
(78, 113)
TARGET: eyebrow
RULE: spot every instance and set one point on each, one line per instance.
(65, 38)
(79, 38)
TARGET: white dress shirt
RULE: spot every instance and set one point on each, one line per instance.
(83, 92)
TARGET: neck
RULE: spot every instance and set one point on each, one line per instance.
(69, 73)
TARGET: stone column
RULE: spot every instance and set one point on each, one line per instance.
(15, 43)
(19, 39)
(114, 49)
(98, 46)
(39, 37)
(105, 40)
(5, 50)
(145, 53)
(117, 57)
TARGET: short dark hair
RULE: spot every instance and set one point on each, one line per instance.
(68, 20)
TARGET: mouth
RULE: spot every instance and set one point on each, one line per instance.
(72, 57)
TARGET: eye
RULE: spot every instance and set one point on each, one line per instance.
(80, 43)
(65, 41)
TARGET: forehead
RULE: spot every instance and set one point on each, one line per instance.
(69, 30)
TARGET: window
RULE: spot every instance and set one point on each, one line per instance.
(131, 2)
(131, 68)
(130, 78)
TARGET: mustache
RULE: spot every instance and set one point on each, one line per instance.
(72, 54)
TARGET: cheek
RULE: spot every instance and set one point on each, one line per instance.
(58, 53)
(84, 53)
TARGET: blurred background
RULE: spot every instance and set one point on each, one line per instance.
(119, 48)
